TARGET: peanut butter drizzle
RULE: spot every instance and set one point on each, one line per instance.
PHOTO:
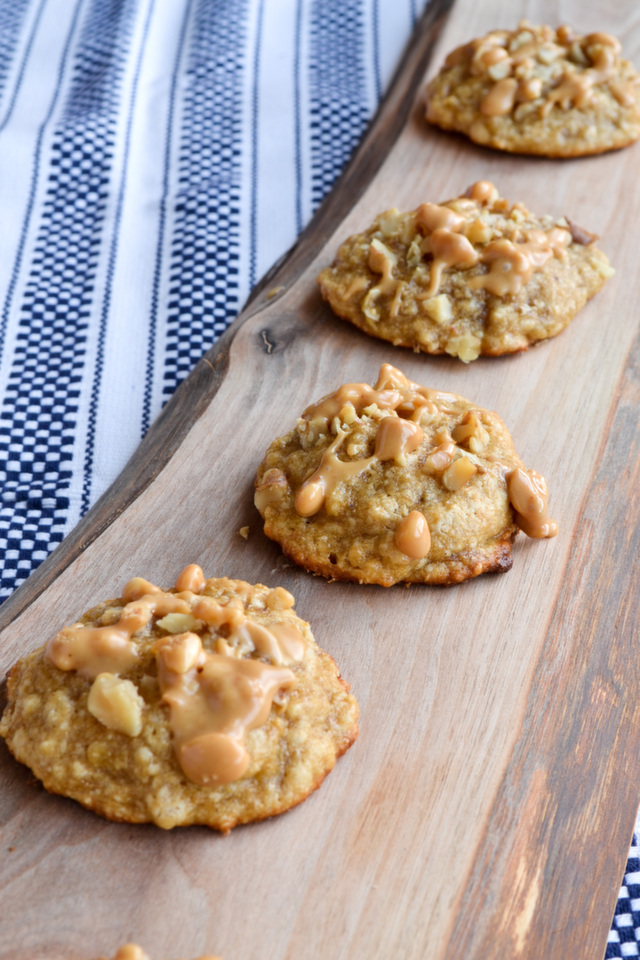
(382, 260)
(449, 249)
(94, 650)
(510, 264)
(500, 99)
(396, 438)
(218, 615)
(215, 699)
(360, 395)
(625, 91)
(314, 491)
(528, 495)
(131, 951)
(136, 588)
(575, 87)
(431, 216)
(393, 391)
(397, 434)
(109, 649)
(214, 702)
(281, 642)
(412, 536)
(482, 191)
(191, 579)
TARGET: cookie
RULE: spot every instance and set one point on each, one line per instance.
(537, 90)
(472, 276)
(398, 482)
(209, 704)
(131, 951)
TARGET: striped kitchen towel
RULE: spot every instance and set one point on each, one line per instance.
(156, 157)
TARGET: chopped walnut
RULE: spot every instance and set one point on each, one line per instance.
(110, 616)
(471, 432)
(357, 285)
(440, 457)
(369, 308)
(604, 269)
(390, 222)
(280, 599)
(178, 622)
(479, 232)
(438, 308)
(348, 414)
(466, 347)
(180, 652)
(274, 485)
(460, 471)
(116, 704)
(580, 235)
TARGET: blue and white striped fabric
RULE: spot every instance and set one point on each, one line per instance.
(624, 937)
(156, 157)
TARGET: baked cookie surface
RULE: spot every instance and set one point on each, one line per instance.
(474, 275)
(208, 704)
(537, 90)
(131, 951)
(399, 483)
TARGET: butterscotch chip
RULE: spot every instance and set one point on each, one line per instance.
(474, 275)
(537, 90)
(238, 717)
(400, 483)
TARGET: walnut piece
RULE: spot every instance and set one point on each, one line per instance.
(116, 704)
(456, 475)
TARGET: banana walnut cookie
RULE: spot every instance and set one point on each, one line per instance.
(210, 703)
(398, 482)
(131, 951)
(537, 90)
(470, 276)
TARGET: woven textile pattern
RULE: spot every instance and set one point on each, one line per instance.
(624, 936)
(156, 157)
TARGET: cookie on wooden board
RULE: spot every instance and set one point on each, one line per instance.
(207, 704)
(131, 951)
(398, 482)
(537, 90)
(476, 275)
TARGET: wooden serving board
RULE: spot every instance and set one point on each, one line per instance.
(486, 810)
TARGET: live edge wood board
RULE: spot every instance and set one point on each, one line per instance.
(486, 810)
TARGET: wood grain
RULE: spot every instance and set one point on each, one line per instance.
(487, 808)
